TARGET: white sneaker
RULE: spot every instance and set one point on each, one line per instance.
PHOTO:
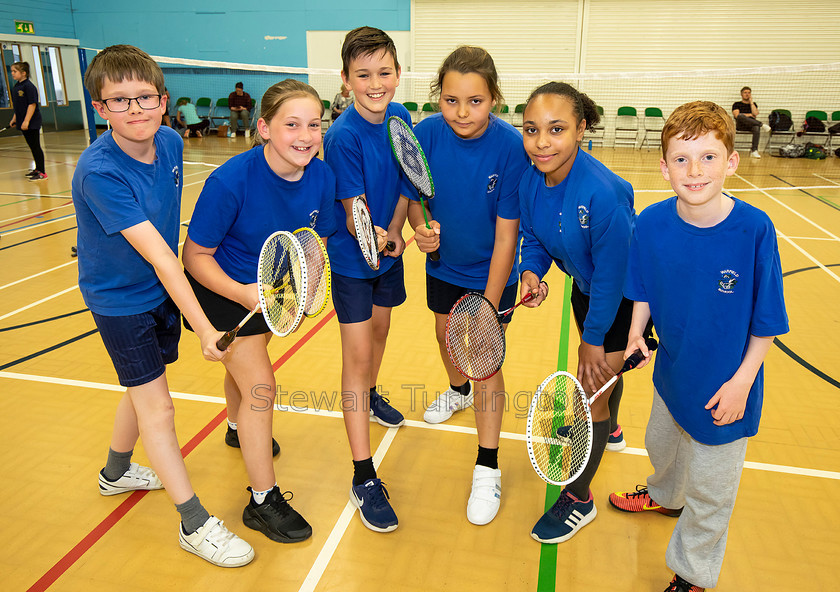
(216, 544)
(136, 477)
(247, 134)
(765, 127)
(486, 495)
(755, 154)
(446, 405)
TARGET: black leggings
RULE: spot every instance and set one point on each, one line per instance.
(33, 139)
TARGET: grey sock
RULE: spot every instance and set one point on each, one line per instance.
(615, 401)
(193, 514)
(580, 486)
(117, 464)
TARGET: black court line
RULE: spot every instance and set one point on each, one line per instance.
(37, 238)
(817, 197)
(69, 314)
(48, 349)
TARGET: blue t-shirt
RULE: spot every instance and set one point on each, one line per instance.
(708, 289)
(359, 154)
(112, 192)
(243, 202)
(476, 181)
(584, 225)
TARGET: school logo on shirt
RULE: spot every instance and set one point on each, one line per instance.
(583, 216)
(20, 93)
(491, 182)
(728, 279)
(313, 218)
(176, 175)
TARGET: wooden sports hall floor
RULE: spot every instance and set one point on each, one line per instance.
(59, 393)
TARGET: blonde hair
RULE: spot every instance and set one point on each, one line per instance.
(279, 93)
(122, 62)
(697, 118)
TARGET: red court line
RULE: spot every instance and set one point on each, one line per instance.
(63, 564)
(19, 220)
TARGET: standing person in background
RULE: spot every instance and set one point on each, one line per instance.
(27, 116)
(745, 113)
(341, 101)
(240, 106)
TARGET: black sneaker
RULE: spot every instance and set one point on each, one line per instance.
(232, 440)
(383, 413)
(276, 519)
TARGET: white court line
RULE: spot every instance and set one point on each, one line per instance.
(785, 188)
(816, 238)
(826, 179)
(41, 301)
(37, 225)
(14, 283)
(789, 470)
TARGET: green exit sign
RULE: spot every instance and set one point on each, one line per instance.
(24, 27)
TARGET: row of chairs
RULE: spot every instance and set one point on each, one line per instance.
(216, 111)
(779, 138)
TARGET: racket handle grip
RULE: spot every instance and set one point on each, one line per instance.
(637, 356)
(223, 343)
(434, 255)
(390, 245)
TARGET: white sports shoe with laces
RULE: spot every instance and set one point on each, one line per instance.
(136, 477)
(446, 405)
(213, 542)
(486, 495)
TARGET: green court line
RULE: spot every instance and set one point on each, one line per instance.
(547, 578)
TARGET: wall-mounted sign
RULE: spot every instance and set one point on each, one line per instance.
(24, 27)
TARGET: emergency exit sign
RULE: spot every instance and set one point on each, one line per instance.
(24, 27)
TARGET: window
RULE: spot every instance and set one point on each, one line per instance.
(10, 54)
(55, 73)
(36, 72)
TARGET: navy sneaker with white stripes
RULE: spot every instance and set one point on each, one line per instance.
(564, 519)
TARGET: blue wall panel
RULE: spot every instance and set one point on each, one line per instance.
(50, 18)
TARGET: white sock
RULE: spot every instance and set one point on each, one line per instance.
(259, 496)
(231, 424)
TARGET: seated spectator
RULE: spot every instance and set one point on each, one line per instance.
(341, 101)
(240, 104)
(187, 117)
(745, 113)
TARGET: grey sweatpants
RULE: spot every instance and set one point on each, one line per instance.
(703, 480)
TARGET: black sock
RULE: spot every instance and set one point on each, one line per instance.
(615, 400)
(488, 457)
(117, 464)
(363, 470)
(580, 486)
(193, 514)
(464, 389)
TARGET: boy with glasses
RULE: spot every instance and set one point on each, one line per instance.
(127, 194)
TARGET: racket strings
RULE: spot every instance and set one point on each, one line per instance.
(281, 276)
(560, 430)
(475, 339)
(317, 267)
(410, 156)
(365, 233)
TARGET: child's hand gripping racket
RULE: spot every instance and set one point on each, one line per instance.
(366, 233)
(559, 429)
(475, 339)
(413, 162)
(317, 271)
(282, 284)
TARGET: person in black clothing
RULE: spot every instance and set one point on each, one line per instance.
(745, 113)
(27, 116)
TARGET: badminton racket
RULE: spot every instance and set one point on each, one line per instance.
(559, 429)
(475, 338)
(365, 234)
(3, 130)
(413, 162)
(317, 271)
(282, 283)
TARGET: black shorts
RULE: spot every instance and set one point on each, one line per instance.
(616, 338)
(225, 314)
(441, 296)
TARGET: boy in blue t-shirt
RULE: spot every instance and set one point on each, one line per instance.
(127, 195)
(705, 267)
(357, 148)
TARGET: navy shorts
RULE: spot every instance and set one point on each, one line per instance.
(441, 296)
(141, 345)
(224, 314)
(354, 298)
(616, 338)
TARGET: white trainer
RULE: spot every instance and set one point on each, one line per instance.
(766, 127)
(486, 495)
(755, 154)
(216, 544)
(446, 405)
(247, 134)
(136, 477)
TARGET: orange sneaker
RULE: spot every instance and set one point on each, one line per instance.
(639, 501)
